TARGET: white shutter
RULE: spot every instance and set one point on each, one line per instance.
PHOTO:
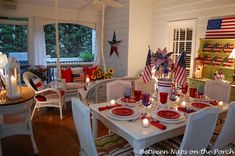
(182, 41)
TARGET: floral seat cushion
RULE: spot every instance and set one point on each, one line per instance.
(113, 145)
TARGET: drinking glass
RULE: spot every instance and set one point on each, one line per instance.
(163, 97)
(192, 92)
(200, 91)
(146, 101)
(173, 97)
(127, 92)
(137, 94)
(184, 88)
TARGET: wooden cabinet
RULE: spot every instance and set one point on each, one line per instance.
(215, 54)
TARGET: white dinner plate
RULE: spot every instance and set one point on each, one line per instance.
(129, 104)
(178, 120)
(196, 108)
(123, 118)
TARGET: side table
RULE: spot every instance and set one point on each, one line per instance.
(21, 106)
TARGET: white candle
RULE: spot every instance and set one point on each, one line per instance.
(183, 103)
(112, 102)
(13, 86)
(87, 80)
(220, 104)
(176, 108)
(145, 122)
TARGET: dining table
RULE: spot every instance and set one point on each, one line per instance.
(139, 136)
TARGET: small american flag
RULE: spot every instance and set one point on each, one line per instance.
(147, 75)
(220, 28)
(180, 74)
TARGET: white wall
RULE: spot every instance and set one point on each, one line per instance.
(140, 23)
(117, 19)
(173, 10)
(132, 24)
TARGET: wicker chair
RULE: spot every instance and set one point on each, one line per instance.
(48, 97)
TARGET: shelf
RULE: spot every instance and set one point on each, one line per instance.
(210, 69)
(221, 67)
(222, 54)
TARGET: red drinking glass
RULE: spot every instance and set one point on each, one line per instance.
(192, 92)
(184, 88)
(163, 97)
(137, 94)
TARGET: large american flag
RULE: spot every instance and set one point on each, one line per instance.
(147, 75)
(221, 28)
(180, 74)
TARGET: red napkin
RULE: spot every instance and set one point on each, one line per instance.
(109, 107)
(183, 109)
(158, 125)
(213, 102)
(155, 123)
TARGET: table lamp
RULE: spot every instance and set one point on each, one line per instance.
(232, 56)
(3, 62)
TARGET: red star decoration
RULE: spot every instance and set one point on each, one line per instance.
(114, 45)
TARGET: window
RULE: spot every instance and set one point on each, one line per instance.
(14, 39)
(182, 38)
(76, 43)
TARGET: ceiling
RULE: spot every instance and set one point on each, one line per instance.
(66, 4)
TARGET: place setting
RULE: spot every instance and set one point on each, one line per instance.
(123, 113)
(200, 101)
(128, 100)
(168, 116)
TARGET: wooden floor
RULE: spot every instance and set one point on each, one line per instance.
(54, 137)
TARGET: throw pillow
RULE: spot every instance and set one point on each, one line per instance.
(88, 70)
(37, 83)
(67, 74)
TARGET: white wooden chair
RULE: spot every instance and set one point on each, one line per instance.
(100, 146)
(114, 89)
(218, 90)
(145, 87)
(225, 139)
(198, 133)
(48, 97)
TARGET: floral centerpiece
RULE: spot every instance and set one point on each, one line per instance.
(98, 74)
(164, 69)
(163, 63)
